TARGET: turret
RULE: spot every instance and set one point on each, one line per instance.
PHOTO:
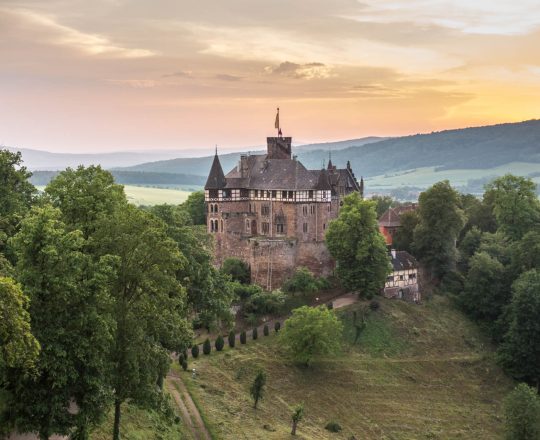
(216, 178)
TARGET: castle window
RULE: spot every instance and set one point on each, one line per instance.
(280, 228)
(304, 227)
(256, 193)
(324, 226)
(265, 227)
(310, 194)
(312, 209)
(304, 210)
(213, 193)
(267, 194)
(265, 210)
(283, 194)
(247, 225)
(215, 208)
(412, 276)
(210, 208)
(244, 193)
(389, 279)
(226, 193)
(274, 194)
(291, 196)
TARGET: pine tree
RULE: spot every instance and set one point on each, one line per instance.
(232, 339)
(257, 388)
(207, 347)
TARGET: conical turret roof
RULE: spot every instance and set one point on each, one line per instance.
(216, 178)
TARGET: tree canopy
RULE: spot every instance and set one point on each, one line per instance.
(358, 247)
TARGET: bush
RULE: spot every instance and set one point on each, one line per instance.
(232, 339)
(333, 427)
(220, 343)
(266, 330)
(255, 333)
(522, 414)
(277, 326)
(207, 347)
(243, 338)
(302, 281)
(265, 303)
(184, 365)
(181, 358)
(237, 269)
(245, 291)
(374, 305)
(195, 351)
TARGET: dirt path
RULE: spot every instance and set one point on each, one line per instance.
(190, 414)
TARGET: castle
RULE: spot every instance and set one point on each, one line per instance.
(272, 212)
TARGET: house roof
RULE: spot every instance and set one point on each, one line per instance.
(391, 217)
(403, 261)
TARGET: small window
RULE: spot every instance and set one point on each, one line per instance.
(401, 277)
(244, 193)
(412, 276)
(389, 278)
(291, 195)
(324, 226)
(265, 210)
(312, 209)
(280, 228)
(310, 194)
(256, 193)
(265, 228)
(305, 227)
(274, 194)
(283, 194)
(247, 226)
(213, 193)
(226, 193)
(304, 210)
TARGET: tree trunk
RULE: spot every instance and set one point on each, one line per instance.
(116, 428)
(293, 431)
(255, 404)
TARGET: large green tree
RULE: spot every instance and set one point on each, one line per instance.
(358, 247)
(440, 222)
(522, 414)
(69, 316)
(311, 332)
(196, 207)
(149, 304)
(520, 350)
(515, 205)
(18, 346)
(16, 196)
(403, 238)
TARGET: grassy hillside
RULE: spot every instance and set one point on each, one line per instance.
(417, 372)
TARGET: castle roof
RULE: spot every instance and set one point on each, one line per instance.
(392, 216)
(216, 178)
(403, 261)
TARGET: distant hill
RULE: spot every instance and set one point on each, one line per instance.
(468, 148)
(339, 145)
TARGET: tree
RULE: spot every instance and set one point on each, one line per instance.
(243, 338)
(18, 347)
(297, 416)
(404, 236)
(522, 414)
(207, 347)
(255, 333)
(84, 196)
(232, 339)
(440, 222)
(266, 330)
(484, 295)
(359, 249)
(195, 351)
(520, 351)
(311, 332)
(16, 196)
(237, 269)
(515, 205)
(149, 304)
(468, 246)
(71, 319)
(257, 387)
(301, 281)
(209, 292)
(382, 203)
(526, 254)
(196, 208)
(220, 343)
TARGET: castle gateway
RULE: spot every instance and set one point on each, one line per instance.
(272, 212)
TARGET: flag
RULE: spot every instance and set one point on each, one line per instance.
(277, 120)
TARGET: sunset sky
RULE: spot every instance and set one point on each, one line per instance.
(108, 75)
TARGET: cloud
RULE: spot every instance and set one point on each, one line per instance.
(227, 77)
(178, 74)
(92, 44)
(135, 83)
(301, 71)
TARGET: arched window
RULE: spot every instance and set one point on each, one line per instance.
(215, 208)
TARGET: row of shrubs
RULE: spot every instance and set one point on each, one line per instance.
(219, 343)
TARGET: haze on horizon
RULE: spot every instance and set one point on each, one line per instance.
(110, 75)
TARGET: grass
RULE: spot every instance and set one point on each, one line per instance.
(141, 424)
(426, 176)
(416, 372)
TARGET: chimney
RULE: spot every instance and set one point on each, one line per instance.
(393, 252)
(242, 166)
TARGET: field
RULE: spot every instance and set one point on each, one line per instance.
(424, 177)
(417, 372)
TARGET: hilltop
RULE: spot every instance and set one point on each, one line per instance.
(418, 371)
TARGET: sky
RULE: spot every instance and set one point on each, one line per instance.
(111, 75)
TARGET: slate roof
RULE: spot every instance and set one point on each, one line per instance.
(403, 261)
(284, 174)
(216, 178)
